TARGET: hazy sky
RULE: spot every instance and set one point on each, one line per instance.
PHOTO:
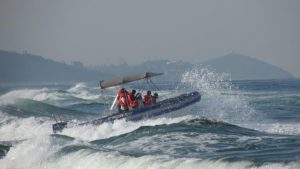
(114, 31)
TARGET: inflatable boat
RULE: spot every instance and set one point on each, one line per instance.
(163, 107)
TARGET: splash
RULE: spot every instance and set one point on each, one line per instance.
(207, 81)
(219, 99)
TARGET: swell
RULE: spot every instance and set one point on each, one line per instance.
(196, 125)
(195, 138)
(32, 108)
(206, 139)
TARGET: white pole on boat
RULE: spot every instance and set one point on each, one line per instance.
(113, 104)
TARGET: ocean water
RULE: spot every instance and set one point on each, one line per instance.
(237, 124)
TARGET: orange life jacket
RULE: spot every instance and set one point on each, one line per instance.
(133, 102)
(147, 100)
(122, 100)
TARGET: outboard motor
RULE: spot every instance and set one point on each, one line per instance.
(58, 127)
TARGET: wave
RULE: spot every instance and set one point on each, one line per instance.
(203, 139)
(14, 128)
(190, 125)
(79, 93)
(265, 110)
(183, 144)
(49, 155)
(31, 108)
(34, 94)
(118, 127)
(81, 90)
(45, 102)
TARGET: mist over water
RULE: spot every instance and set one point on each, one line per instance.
(237, 124)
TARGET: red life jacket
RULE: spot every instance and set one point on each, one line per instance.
(147, 100)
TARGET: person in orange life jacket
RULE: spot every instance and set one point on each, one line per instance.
(132, 101)
(148, 98)
(122, 100)
(155, 98)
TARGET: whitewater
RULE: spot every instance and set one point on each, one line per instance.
(237, 124)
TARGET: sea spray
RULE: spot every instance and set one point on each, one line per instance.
(217, 100)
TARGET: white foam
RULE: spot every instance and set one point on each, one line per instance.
(115, 161)
(107, 130)
(13, 128)
(278, 128)
(170, 143)
(28, 154)
(41, 153)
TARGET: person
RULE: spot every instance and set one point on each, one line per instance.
(139, 100)
(132, 101)
(148, 99)
(122, 100)
(155, 98)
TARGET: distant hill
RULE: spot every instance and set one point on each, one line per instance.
(28, 68)
(244, 67)
(239, 66)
